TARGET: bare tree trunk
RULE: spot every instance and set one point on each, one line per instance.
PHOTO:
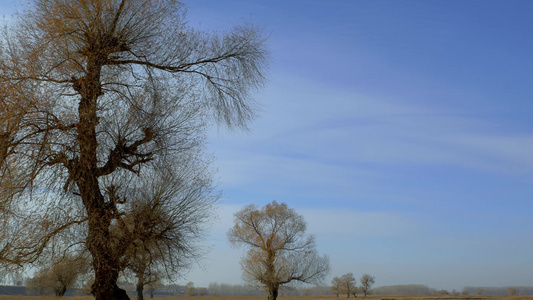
(105, 263)
(106, 266)
(270, 271)
(273, 293)
(84, 171)
(105, 284)
(140, 286)
(62, 291)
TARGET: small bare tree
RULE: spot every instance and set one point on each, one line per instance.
(348, 284)
(279, 251)
(455, 292)
(336, 286)
(153, 286)
(366, 283)
(190, 290)
(59, 277)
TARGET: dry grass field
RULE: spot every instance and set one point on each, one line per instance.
(373, 297)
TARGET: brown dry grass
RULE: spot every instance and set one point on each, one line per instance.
(329, 297)
(4, 297)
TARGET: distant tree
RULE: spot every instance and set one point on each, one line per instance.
(190, 289)
(87, 286)
(36, 285)
(279, 251)
(465, 292)
(336, 286)
(405, 289)
(455, 292)
(480, 291)
(152, 287)
(17, 277)
(348, 282)
(59, 277)
(201, 291)
(511, 291)
(213, 289)
(366, 283)
(443, 292)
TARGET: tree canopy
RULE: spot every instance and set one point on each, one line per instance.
(279, 251)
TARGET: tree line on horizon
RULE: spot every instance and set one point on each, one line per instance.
(224, 289)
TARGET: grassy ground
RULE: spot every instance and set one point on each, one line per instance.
(373, 297)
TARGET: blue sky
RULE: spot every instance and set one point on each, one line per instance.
(401, 130)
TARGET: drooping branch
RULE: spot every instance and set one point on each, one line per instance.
(33, 249)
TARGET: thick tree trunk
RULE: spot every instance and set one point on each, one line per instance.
(105, 258)
(273, 293)
(85, 173)
(105, 261)
(105, 284)
(61, 292)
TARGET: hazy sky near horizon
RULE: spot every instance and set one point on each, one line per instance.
(401, 130)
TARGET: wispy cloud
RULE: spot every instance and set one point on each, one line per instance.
(343, 128)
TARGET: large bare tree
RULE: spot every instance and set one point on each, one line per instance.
(279, 250)
(96, 95)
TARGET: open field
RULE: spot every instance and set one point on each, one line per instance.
(329, 297)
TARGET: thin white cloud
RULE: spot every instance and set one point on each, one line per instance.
(356, 224)
(342, 127)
